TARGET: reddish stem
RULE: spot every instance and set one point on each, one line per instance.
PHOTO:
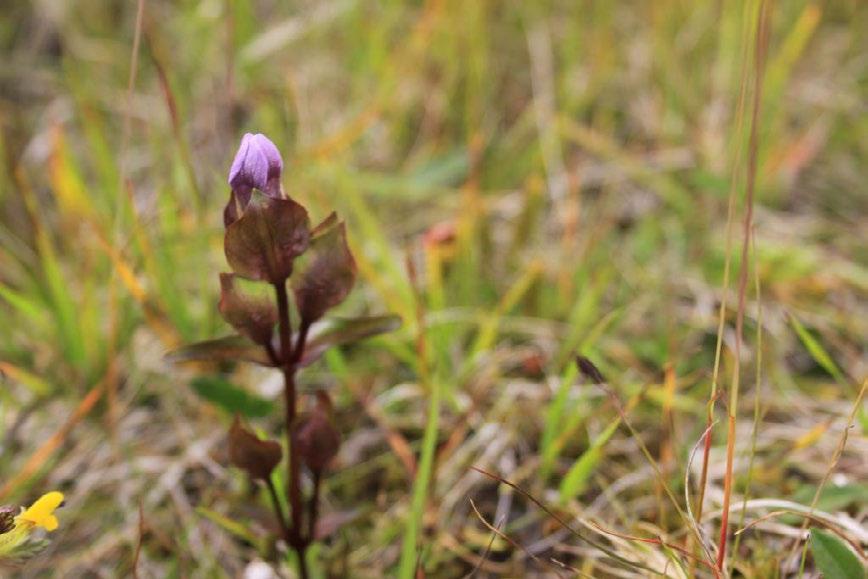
(727, 493)
(313, 509)
(289, 366)
(703, 478)
(762, 32)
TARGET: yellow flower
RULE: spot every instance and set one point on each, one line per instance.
(41, 513)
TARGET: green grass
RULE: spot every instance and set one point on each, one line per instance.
(580, 154)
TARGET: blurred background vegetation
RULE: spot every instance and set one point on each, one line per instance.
(521, 181)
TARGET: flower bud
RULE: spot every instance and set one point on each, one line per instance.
(257, 165)
(7, 519)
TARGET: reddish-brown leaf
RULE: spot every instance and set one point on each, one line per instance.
(315, 437)
(226, 349)
(248, 306)
(248, 452)
(264, 242)
(327, 271)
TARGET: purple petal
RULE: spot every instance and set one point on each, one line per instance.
(271, 154)
(255, 168)
(235, 172)
(250, 170)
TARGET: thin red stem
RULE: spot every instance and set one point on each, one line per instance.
(753, 146)
(313, 509)
(727, 493)
(288, 365)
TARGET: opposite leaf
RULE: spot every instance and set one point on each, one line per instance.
(338, 332)
(265, 241)
(248, 306)
(327, 334)
(327, 273)
(226, 349)
(248, 452)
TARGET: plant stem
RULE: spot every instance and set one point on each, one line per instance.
(313, 509)
(727, 491)
(288, 365)
(286, 362)
(294, 489)
(299, 345)
(762, 33)
(730, 216)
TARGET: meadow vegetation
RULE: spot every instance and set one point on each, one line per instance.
(607, 228)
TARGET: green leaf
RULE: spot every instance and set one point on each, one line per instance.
(231, 398)
(66, 313)
(833, 498)
(27, 550)
(35, 383)
(577, 477)
(226, 349)
(833, 558)
(238, 529)
(817, 351)
(346, 331)
(409, 552)
(444, 171)
(554, 420)
(28, 305)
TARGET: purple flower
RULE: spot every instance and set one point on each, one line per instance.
(257, 165)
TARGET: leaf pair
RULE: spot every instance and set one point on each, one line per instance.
(334, 332)
(315, 436)
(263, 245)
